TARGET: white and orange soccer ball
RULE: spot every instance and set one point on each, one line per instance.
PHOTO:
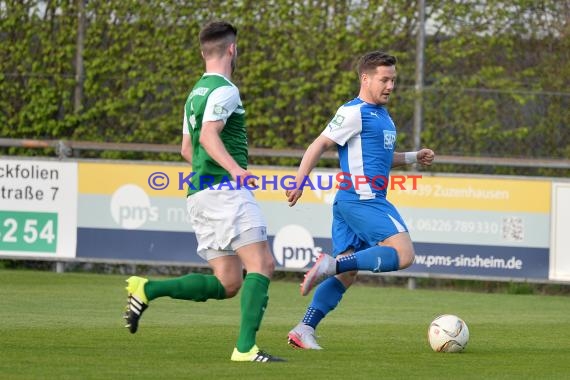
(448, 333)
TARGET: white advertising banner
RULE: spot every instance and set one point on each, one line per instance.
(560, 239)
(38, 208)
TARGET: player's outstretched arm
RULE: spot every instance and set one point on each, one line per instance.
(308, 163)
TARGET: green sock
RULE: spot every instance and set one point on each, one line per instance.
(195, 286)
(253, 303)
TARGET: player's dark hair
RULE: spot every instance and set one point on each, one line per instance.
(215, 37)
(370, 61)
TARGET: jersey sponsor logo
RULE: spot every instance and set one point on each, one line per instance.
(389, 139)
(336, 122)
(374, 114)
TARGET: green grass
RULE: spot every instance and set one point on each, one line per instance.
(69, 326)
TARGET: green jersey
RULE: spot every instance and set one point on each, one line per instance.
(213, 98)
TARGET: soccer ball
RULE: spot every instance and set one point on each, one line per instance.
(448, 333)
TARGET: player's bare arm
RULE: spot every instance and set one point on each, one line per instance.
(308, 163)
(423, 156)
(186, 147)
(212, 143)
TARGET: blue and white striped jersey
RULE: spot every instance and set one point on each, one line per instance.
(366, 138)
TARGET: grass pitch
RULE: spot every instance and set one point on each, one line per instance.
(69, 326)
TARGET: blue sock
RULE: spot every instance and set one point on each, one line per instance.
(327, 295)
(375, 259)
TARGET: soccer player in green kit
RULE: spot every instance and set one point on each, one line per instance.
(229, 226)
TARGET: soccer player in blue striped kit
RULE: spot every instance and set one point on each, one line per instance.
(368, 233)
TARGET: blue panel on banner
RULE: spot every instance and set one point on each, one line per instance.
(481, 260)
(454, 259)
(102, 243)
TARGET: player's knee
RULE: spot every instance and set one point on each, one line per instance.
(406, 258)
(232, 284)
(265, 264)
(268, 265)
(232, 289)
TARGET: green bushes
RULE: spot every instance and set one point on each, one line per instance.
(496, 76)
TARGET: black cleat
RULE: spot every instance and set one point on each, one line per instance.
(136, 304)
(133, 313)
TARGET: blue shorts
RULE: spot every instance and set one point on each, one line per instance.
(360, 224)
